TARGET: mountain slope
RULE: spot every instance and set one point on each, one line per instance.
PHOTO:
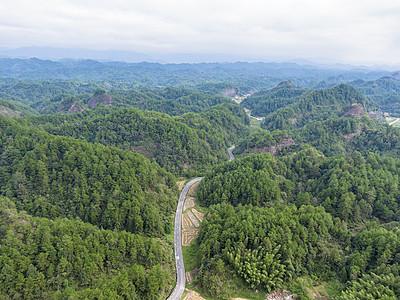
(318, 105)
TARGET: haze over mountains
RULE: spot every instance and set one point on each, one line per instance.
(53, 53)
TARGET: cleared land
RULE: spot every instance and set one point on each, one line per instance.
(189, 202)
(198, 214)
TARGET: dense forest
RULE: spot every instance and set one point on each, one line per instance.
(318, 105)
(63, 258)
(184, 145)
(301, 214)
(54, 176)
(265, 102)
(89, 153)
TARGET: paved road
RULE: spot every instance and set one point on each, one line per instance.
(180, 268)
(231, 157)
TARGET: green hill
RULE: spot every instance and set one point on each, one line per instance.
(68, 259)
(54, 176)
(318, 105)
(265, 102)
(184, 144)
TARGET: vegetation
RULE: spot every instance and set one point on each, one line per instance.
(184, 145)
(42, 259)
(53, 176)
(265, 102)
(317, 105)
(261, 208)
(86, 206)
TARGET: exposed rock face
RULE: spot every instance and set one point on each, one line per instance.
(69, 108)
(354, 111)
(285, 142)
(229, 92)
(100, 99)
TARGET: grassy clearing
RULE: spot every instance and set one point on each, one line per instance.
(191, 258)
(254, 124)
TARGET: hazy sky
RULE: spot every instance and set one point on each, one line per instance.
(351, 31)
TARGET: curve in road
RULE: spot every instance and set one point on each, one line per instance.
(231, 157)
(180, 268)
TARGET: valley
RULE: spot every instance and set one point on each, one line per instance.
(121, 181)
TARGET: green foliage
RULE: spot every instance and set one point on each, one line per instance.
(265, 102)
(317, 105)
(63, 259)
(183, 145)
(268, 246)
(54, 176)
(370, 287)
(352, 188)
(263, 140)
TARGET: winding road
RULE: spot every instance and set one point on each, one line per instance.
(231, 157)
(180, 268)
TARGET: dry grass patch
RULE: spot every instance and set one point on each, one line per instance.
(195, 222)
(188, 235)
(193, 189)
(198, 214)
(186, 223)
(180, 184)
(189, 202)
(193, 295)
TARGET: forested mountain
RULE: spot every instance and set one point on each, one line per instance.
(354, 190)
(54, 176)
(334, 136)
(265, 102)
(87, 197)
(385, 91)
(64, 258)
(10, 108)
(51, 97)
(184, 145)
(319, 105)
(251, 75)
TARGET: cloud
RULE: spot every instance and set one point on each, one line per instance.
(348, 31)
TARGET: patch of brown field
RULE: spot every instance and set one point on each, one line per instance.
(193, 218)
(280, 295)
(180, 184)
(193, 189)
(198, 214)
(189, 277)
(188, 235)
(189, 202)
(186, 223)
(193, 295)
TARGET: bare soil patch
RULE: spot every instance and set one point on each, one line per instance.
(193, 295)
(280, 295)
(189, 277)
(198, 214)
(193, 189)
(189, 202)
(180, 184)
(188, 235)
(186, 223)
(195, 222)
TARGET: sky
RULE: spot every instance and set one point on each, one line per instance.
(346, 31)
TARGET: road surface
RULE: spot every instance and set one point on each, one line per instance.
(180, 268)
(231, 157)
